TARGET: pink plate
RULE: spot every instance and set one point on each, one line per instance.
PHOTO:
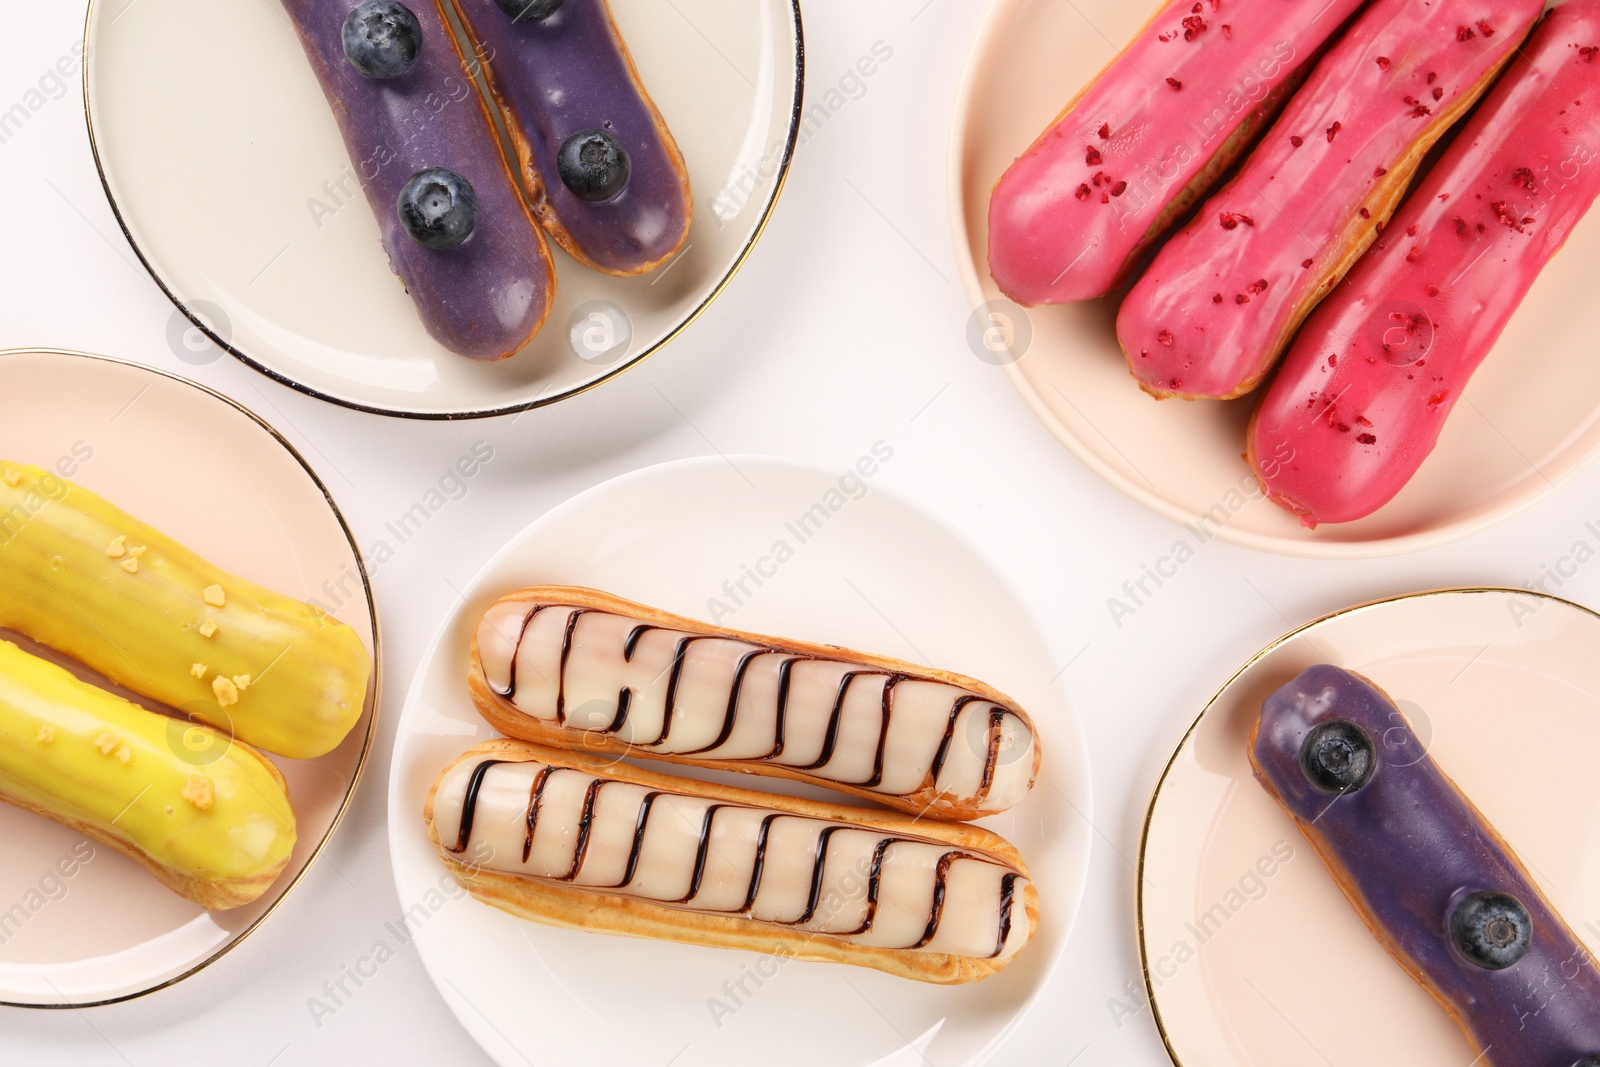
(1252, 955)
(83, 925)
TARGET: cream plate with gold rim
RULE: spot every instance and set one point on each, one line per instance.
(79, 923)
(1251, 953)
(1530, 420)
(226, 169)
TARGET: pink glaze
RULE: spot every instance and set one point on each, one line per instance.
(1218, 305)
(1069, 216)
(1366, 388)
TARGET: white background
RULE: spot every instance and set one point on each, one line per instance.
(846, 326)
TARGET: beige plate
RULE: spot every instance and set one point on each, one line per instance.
(222, 161)
(210, 473)
(1530, 420)
(1251, 953)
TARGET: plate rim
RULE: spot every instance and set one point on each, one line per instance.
(1077, 743)
(1367, 548)
(791, 141)
(1188, 734)
(377, 676)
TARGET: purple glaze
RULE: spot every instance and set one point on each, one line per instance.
(486, 298)
(571, 72)
(1408, 844)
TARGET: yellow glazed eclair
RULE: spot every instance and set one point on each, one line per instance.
(84, 577)
(208, 817)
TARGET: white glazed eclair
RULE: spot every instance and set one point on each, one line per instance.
(573, 840)
(578, 668)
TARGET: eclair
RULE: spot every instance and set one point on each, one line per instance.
(578, 668)
(1364, 392)
(1146, 139)
(84, 577)
(606, 178)
(455, 226)
(1221, 302)
(572, 840)
(210, 818)
(1438, 887)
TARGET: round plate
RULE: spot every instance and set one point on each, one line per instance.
(881, 575)
(205, 470)
(223, 166)
(1252, 955)
(1524, 428)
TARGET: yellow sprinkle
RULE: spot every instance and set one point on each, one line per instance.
(107, 742)
(208, 627)
(118, 547)
(242, 681)
(138, 551)
(226, 692)
(130, 565)
(199, 791)
(215, 596)
(13, 477)
(46, 735)
(124, 753)
(199, 670)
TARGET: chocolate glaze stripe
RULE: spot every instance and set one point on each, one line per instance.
(759, 866)
(730, 716)
(535, 801)
(561, 670)
(830, 739)
(819, 862)
(1008, 895)
(940, 881)
(702, 850)
(819, 865)
(680, 652)
(469, 805)
(645, 808)
(585, 827)
(510, 691)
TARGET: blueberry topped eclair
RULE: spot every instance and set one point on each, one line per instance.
(607, 180)
(1438, 887)
(454, 224)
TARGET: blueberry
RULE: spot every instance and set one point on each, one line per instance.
(382, 38)
(438, 208)
(1492, 930)
(1589, 1061)
(1337, 757)
(594, 165)
(529, 10)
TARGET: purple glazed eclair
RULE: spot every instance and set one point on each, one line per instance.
(1432, 879)
(606, 178)
(458, 233)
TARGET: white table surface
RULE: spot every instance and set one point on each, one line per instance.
(846, 326)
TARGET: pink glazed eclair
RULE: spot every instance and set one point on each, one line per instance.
(1365, 390)
(1224, 298)
(1146, 139)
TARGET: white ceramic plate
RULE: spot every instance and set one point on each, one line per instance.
(78, 933)
(881, 575)
(1530, 420)
(1248, 967)
(213, 154)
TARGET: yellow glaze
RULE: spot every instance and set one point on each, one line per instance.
(82, 576)
(209, 816)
